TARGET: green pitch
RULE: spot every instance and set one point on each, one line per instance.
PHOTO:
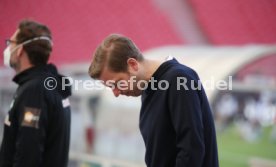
(236, 152)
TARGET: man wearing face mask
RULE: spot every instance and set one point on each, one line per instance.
(37, 126)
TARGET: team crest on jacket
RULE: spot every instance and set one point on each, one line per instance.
(31, 117)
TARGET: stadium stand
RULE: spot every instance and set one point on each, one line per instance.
(234, 22)
(79, 26)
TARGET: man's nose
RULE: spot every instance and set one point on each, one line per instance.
(116, 92)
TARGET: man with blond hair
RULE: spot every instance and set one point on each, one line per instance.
(175, 119)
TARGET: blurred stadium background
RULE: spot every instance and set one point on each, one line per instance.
(230, 40)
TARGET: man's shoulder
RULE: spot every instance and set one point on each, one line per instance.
(181, 70)
(33, 85)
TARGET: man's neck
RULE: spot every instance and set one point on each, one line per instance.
(23, 68)
(150, 67)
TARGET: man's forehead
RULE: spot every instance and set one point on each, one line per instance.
(107, 74)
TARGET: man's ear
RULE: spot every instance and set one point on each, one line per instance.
(133, 64)
(19, 51)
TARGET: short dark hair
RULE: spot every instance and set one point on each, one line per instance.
(38, 51)
(114, 52)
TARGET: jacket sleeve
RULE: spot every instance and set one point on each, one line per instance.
(185, 111)
(32, 123)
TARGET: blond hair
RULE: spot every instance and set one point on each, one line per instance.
(113, 52)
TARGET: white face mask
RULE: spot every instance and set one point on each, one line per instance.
(7, 56)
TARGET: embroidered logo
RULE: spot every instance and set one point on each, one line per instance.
(31, 117)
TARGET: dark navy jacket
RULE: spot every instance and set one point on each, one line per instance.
(37, 127)
(177, 124)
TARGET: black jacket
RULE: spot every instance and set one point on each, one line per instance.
(37, 127)
(176, 123)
